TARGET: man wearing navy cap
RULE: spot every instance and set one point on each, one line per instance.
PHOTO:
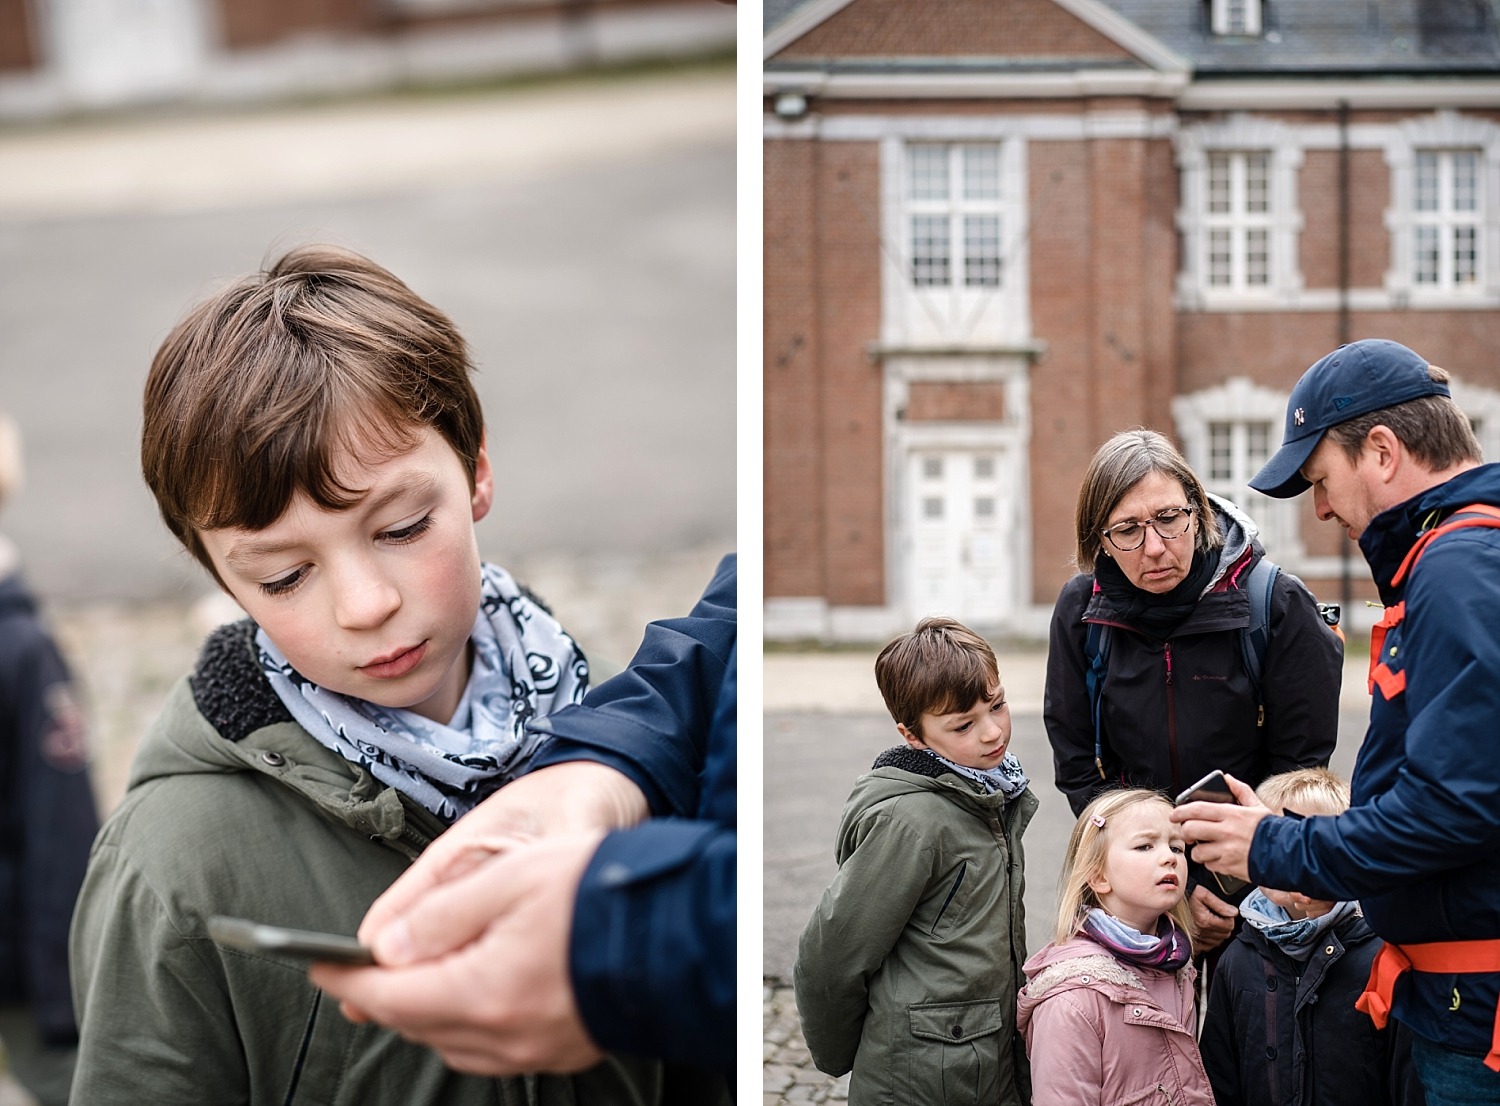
(1373, 431)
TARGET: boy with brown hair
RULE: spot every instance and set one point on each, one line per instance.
(312, 436)
(906, 972)
(1281, 1026)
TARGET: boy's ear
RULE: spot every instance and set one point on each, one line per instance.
(484, 480)
(911, 739)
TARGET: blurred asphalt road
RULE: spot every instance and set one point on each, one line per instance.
(580, 233)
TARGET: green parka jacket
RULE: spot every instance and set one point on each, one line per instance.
(233, 808)
(907, 971)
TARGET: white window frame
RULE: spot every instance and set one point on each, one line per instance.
(1238, 136)
(1443, 133)
(1482, 405)
(953, 314)
(1236, 17)
(1238, 402)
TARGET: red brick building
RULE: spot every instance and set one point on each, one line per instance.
(998, 231)
(59, 56)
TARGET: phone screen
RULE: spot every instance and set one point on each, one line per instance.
(301, 944)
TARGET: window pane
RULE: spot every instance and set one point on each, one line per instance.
(1257, 182)
(1257, 445)
(1465, 256)
(981, 172)
(1220, 451)
(1218, 184)
(984, 507)
(1218, 257)
(982, 251)
(1257, 257)
(929, 172)
(932, 468)
(984, 468)
(932, 506)
(929, 250)
(1427, 255)
(1466, 180)
(1427, 181)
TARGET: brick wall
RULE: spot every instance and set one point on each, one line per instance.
(951, 401)
(898, 28)
(793, 432)
(1369, 196)
(18, 47)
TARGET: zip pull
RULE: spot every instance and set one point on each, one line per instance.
(1099, 764)
(1167, 652)
(1260, 716)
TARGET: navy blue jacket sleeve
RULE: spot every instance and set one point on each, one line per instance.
(652, 721)
(652, 950)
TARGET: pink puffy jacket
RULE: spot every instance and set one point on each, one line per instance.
(1105, 1033)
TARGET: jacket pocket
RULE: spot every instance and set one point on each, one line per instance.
(956, 1051)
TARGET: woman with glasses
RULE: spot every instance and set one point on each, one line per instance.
(1148, 684)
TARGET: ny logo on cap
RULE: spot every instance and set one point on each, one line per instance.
(1299, 416)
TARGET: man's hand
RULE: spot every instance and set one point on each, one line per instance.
(477, 968)
(577, 797)
(1213, 918)
(1220, 833)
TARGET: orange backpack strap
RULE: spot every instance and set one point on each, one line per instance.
(1439, 957)
(1391, 683)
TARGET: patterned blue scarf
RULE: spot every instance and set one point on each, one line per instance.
(1006, 777)
(1166, 952)
(1297, 937)
(525, 666)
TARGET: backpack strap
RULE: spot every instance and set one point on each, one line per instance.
(1391, 683)
(1096, 649)
(1255, 638)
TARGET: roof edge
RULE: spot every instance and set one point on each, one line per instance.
(1108, 22)
(784, 34)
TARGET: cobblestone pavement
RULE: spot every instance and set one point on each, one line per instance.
(789, 1073)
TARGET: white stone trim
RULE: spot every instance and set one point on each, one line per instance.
(1442, 130)
(885, 85)
(1385, 92)
(1240, 399)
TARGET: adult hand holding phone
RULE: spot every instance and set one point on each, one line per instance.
(1220, 833)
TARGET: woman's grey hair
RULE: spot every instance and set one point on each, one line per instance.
(1118, 466)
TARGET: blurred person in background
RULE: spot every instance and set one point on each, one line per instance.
(47, 824)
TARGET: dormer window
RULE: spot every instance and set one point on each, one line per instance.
(1236, 17)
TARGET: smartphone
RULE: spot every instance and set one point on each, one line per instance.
(301, 944)
(1213, 788)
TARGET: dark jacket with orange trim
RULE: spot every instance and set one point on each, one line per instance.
(1175, 710)
(1420, 845)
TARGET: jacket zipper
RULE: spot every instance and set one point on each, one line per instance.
(957, 883)
(1172, 720)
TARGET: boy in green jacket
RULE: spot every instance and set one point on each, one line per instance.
(312, 436)
(906, 973)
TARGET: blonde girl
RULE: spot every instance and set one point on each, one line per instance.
(1107, 1011)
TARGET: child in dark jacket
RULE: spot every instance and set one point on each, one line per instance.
(1281, 1028)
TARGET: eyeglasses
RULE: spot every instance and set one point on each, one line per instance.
(1168, 524)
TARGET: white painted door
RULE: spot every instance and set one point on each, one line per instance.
(961, 520)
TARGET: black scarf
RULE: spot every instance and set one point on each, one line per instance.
(1156, 615)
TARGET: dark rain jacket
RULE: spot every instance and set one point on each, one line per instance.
(1419, 846)
(1284, 1032)
(907, 971)
(47, 816)
(1175, 710)
(652, 953)
(233, 808)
